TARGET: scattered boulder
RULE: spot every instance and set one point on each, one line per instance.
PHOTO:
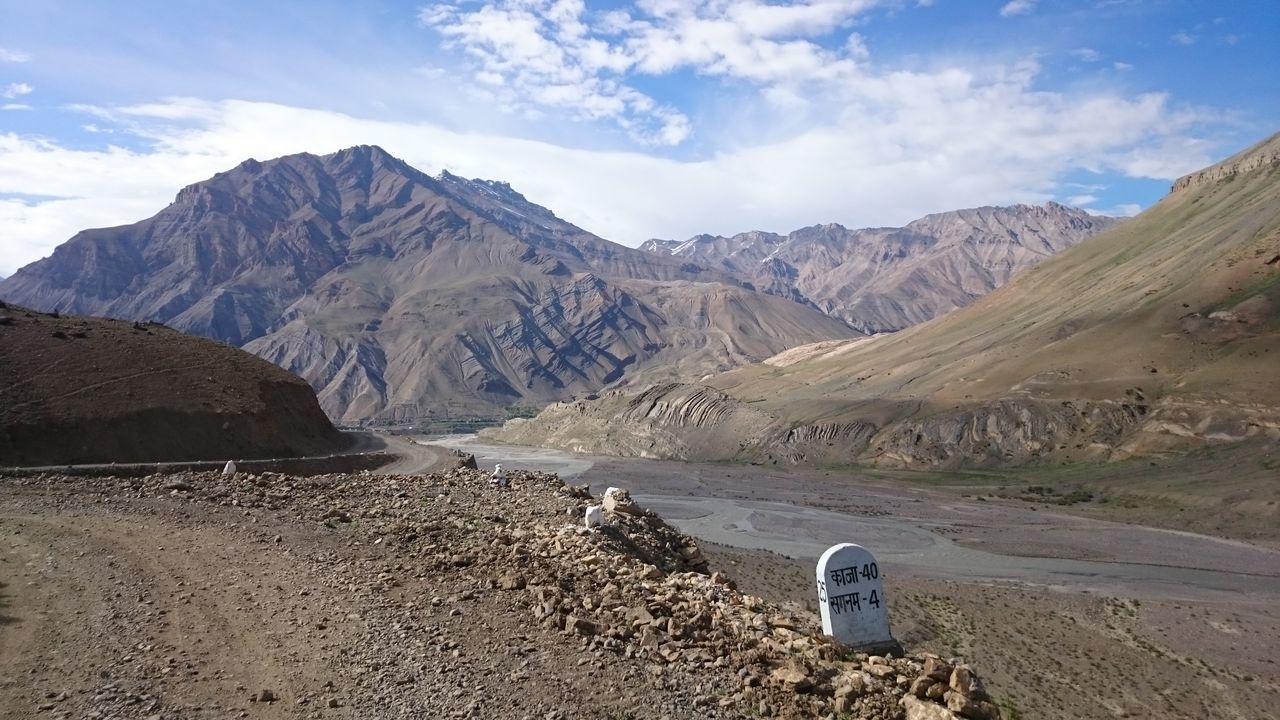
(918, 709)
(617, 500)
(464, 460)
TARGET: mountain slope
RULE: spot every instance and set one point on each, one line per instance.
(1161, 334)
(399, 296)
(887, 279)
(86, 390)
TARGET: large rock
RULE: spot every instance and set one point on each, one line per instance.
(918, 709)
(619, 500)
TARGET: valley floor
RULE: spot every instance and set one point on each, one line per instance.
(1073, 616)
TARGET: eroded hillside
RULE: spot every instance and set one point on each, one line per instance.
(888, 279)
(404, 297)
(1160, 335)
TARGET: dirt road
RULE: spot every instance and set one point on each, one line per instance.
(131, 605)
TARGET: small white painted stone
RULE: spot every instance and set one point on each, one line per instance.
(851, 597)
(595, 516)
(229, 469)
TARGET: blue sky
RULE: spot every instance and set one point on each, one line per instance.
(653, 118)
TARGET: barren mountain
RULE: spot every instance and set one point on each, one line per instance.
(400, 296)
(86, 390)
(887, 279)
(1159, 335)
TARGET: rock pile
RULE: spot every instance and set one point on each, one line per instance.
(633, 587)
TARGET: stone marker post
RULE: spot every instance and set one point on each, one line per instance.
(851, 599)
(229, 469)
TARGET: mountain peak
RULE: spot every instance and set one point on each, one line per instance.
(364, 151)
(371, 156)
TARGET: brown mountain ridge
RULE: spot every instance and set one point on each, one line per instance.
(400, 296)
(1161, 335)
(888, 279)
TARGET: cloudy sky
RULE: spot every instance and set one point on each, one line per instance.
(651, 118)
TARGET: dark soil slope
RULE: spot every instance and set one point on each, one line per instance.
(89, 390)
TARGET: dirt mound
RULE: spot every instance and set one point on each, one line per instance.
(431, 596)
(77, 390)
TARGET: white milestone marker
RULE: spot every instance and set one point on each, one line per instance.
(229, 469)
(851, 598)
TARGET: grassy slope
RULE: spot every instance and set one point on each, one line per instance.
(1089, 323)
(1128, 309)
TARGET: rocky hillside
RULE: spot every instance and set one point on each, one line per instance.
(1159, 335)
(402, 597)
(400, 296)
(85, 390)
(887, 279)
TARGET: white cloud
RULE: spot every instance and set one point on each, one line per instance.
(1159, 159)
(1183, 38)
(1123, 210)
(1085, 54)
(556, 54)
(1017, 7)
(884, 160)
(15, 106)
(538, 53)
(1082, 200)
(16, 90)
(1122, 66)
(13, 56)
